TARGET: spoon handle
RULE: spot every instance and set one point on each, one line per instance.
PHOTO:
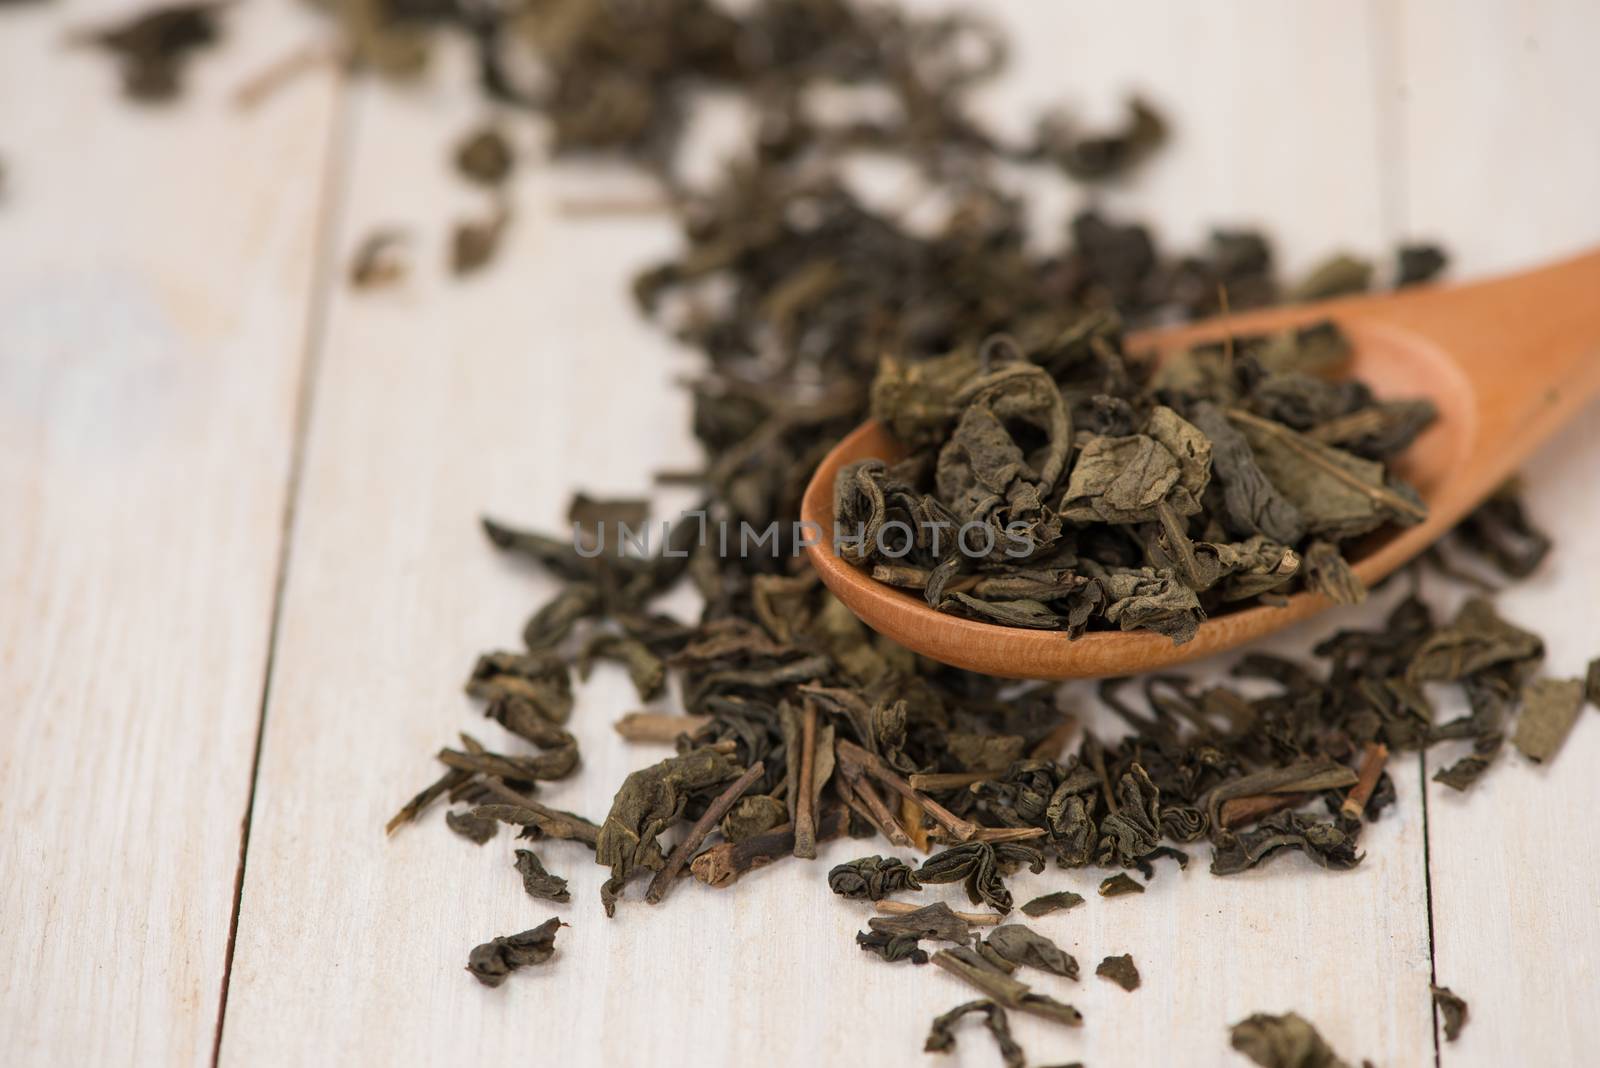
(1527, 349)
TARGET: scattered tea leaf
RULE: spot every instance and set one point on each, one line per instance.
(1048, 903)
(485, 156)
(871, 878)
(1549, 709)
(491, 962)
(1287, 1041)
(1119, 884)
(538, 882)
(1021, 945)
(1119, 970)
(942, 1036)
(892, 947)
(1453, 1010)
(153, 48)
(473, 828)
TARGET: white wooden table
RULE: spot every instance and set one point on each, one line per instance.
(241, 578)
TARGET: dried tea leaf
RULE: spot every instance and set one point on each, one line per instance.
(942, 1037)
(1466, 771)
(539, 821)
(1549, 709)
(474, 242)
(380, 260)
(753, 815)
(491, 962)
(1119, 970)
(1100, 156)
(1452, 1008)
(153, 48)
(1048, 903)
(1329, 574)
(1340, 495)
(1287, 1041)
(485, 156)
(473, 828)
(872, 878)
(540, 684)
(1250, 503)
(937, 922)
(1123, 479)
(592, 513)
(979, 867)
(1475, 640)
(967, 964)
(1021, 945)
(649, 802)
(1118, 885)
(1337, 277)
(1591, 685)
(1416, 264)
(538, 882)
(646, 670)
(1327, 844)
(892, 947)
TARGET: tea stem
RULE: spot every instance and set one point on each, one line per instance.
(912, 820)
(903, 908)
(872, 806)
(659, 727)
(949, 780)
(680, 853)
(1373, 758)
(805, 828)
(1241, 810)
(850, 753)
(723, 863)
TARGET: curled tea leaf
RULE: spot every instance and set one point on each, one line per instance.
(872, 878)
(979, 867)
(937, 922)
(892, 947)
(942, 1038)
(478, 829)
(1327, 844)
(1022, 945)
(650, 801)
(1287, 1041)
(491, 962)
(538, 882)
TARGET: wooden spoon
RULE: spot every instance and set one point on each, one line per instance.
(1507, 362)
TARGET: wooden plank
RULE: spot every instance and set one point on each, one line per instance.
(442, 400)
(155, 274)
(1499, 111)
(1499, 108)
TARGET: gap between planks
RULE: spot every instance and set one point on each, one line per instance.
(325, 277)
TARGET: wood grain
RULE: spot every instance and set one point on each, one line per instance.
(1498, 106)
(155, 275)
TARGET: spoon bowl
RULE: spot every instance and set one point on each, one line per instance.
(1506, 362)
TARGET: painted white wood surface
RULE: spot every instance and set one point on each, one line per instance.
(1500, 110)
(155, 269)
(1332, 125)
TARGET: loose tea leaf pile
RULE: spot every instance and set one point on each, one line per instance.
(1139, 496)
(1060, 483)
